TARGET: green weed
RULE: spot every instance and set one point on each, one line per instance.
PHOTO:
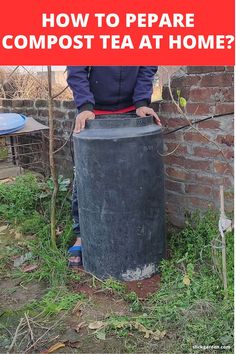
(55, 301)
(25, 204)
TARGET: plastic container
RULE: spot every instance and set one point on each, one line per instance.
(120, 179)
(11, 122)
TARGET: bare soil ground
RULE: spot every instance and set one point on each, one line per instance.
(70, 328)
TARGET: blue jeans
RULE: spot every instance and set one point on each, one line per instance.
(75, 209)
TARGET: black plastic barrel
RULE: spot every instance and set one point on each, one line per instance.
(120, 179)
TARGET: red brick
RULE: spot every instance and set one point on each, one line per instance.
(166, 93)
(228, 153)
(203, 94)
(178, 149)
(168, 107)
(217, 79)
(184, 92)
(203, 69)
(197, 164)
(228, 94)
(198, 203)
(222, 168)
(225, 139)
(198, 108)
(176, 122)
(209, 124)
(186, 80)
(188, 163)
(194, 136)
(175, 173)
(198, 189)
(206, 151)
(174, 186)
(176, 136)
(224, 108)
(208, 179)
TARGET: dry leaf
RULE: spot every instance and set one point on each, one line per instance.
(96, 325)
(7, 180)
(17, 235)
(3, 228)
(186, 280)
(142, 329)
(70, 344)
(29, 268)
(101, 335)
(80, 325)
(157, 335)
(53, 348)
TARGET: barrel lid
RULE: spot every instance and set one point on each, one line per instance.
(11, 122)
(118, 121)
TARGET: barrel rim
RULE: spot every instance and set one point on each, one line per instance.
(107, 121)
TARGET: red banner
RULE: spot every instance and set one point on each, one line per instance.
(131, 32)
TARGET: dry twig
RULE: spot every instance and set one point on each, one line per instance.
(15, 335)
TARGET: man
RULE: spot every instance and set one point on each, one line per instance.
(107, 90)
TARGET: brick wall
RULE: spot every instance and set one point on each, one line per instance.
(196, 169)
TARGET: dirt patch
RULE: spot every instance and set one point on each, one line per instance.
(14, 294)
(144, 288)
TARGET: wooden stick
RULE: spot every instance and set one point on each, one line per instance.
(30, 329)
(15, 335)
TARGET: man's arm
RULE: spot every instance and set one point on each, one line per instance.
(143, 92)
(78, 81)
(143, 88)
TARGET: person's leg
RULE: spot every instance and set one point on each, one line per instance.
(75, 250)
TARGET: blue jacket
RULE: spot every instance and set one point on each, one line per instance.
(110, 87)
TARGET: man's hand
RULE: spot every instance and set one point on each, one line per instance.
(81, 119)
(146, 111)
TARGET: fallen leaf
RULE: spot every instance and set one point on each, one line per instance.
(3, 228)
(141, 328)
(7, 180)
(29, 268)
(53, 348)
(22, 259)
(80, 325)
(157, 335)
(186, 280)
(17, 235)
(70, 344)
(101, 335)
(96, 325)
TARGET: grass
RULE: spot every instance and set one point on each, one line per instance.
(25, 205)
(190, 304)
